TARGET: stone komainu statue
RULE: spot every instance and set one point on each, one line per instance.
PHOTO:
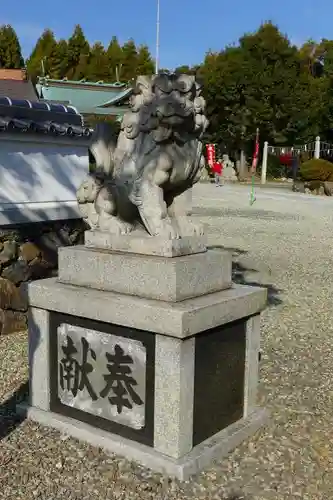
(158, 156)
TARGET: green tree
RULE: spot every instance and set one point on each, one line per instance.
(129, 60)
(115, 56)
(225, 95)
(259, 83)
(324, 101)
(44, 55)
(144, 61)
(272, 69)
(60, 60)
(188, 70)
(98, 66)
(308, 54)
(185, 69)
(10, 49)
(322, 55)
(318, 57)
(78, 54)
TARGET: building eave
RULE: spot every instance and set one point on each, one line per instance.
(113, 111)
(123, 95)
(50, 82)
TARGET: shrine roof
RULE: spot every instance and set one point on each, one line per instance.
(88, 97)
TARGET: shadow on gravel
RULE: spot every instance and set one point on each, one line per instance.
(9, 419)
(233, 250)
(239, 275)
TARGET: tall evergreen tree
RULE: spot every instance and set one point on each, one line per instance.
(10, 49)
(78, 54)
(129, 60)
(98, 66)
(60, 62)
(144, 62)
(81, 68)
(115, 56)
(44, 55)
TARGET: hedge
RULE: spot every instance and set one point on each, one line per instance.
(316, 170)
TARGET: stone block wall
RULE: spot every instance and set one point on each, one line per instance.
(29, 252)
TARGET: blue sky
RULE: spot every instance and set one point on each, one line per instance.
(188, 27)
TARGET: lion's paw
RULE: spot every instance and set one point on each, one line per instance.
(115, 226)
(195, 229)
(189, 228)
(125, 227)
(167, 231)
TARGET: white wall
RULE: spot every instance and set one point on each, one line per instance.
(39, 176)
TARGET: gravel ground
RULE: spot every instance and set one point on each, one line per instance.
(284, 242)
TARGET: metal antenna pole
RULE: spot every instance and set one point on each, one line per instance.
(157, 38)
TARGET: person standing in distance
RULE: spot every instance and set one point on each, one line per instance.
(217, 169)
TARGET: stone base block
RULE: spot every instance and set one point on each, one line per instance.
(169, 376)
(181, 319)
(159, 278)
(143, 244)
(198, 459)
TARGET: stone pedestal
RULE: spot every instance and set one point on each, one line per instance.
(228, 172)
(151, 357)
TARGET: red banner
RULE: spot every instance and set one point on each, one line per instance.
(210, 149)
(255, 153)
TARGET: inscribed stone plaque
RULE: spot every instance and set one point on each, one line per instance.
(102, 374)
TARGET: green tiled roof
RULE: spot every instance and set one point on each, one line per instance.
(87, 97)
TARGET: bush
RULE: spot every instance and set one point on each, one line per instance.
(316, 170)
(274, 167)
